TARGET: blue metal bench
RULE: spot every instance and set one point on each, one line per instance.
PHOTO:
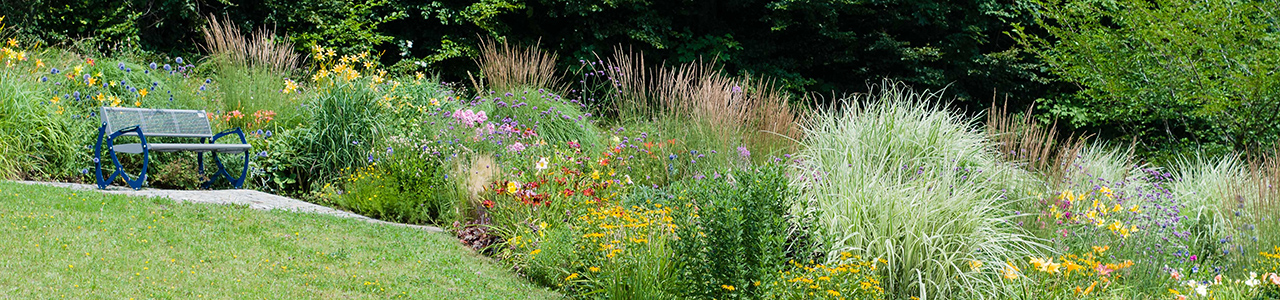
(144, 123)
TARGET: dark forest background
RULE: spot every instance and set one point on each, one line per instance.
(979, 50)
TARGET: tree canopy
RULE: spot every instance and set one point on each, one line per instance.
(809, 45)
(1177, 74)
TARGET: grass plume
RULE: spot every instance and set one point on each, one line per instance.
(511, 68)
(1023, 140)
(754, 110)
(260, 49)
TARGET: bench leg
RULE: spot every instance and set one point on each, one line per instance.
(236, 182)
(222, 168)
(244, 172)
(104, 181)
(135, 183)
(200, 164)
(97, 158)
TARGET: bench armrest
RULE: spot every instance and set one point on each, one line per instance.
(236, 131)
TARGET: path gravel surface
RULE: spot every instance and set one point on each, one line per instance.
(254, 199)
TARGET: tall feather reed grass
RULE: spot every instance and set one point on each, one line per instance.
(1264, 174)
(1024, 141)
(750, 111)
(252, 70)
(260, 49)
(1264, 177)
(900, 178)
(511, 68)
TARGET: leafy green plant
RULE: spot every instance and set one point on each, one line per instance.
(346, 122)
(733, 233)
(351, 26)
(41, 138)
(178, 172)
(407, 185)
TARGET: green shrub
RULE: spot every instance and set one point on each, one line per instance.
(406, 185)
(344, 123)
(896, 178)
(556, 120)
(41, 138)
(178, 171)
(733, 233)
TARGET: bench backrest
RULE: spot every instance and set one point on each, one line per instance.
(158, 122)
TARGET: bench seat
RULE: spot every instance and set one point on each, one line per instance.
(163, 147)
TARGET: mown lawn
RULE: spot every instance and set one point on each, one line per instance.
(60, 242)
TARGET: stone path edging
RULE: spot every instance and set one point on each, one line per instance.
(254, 199)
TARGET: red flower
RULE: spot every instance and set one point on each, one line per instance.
(487, 203)
(588, 192)
(90, 60)
(604, 161)
(568, 192)
(573, 144)
(560, 180)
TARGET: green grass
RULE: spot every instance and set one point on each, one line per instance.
(895, 177)
(84, 244)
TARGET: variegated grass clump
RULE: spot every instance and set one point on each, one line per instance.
(895, 176)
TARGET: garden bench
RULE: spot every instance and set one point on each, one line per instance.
(176, 123)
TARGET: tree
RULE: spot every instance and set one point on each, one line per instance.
(1179, 74)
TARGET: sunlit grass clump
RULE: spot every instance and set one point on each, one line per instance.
(895, 176)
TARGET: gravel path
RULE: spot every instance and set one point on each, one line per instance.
(254, 199)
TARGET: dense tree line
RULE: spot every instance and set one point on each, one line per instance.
(812, 46)
(980, 50)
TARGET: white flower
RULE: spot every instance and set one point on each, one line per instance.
(1253, 280)
(1202, 289)
(628, 179)
(542, 164)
